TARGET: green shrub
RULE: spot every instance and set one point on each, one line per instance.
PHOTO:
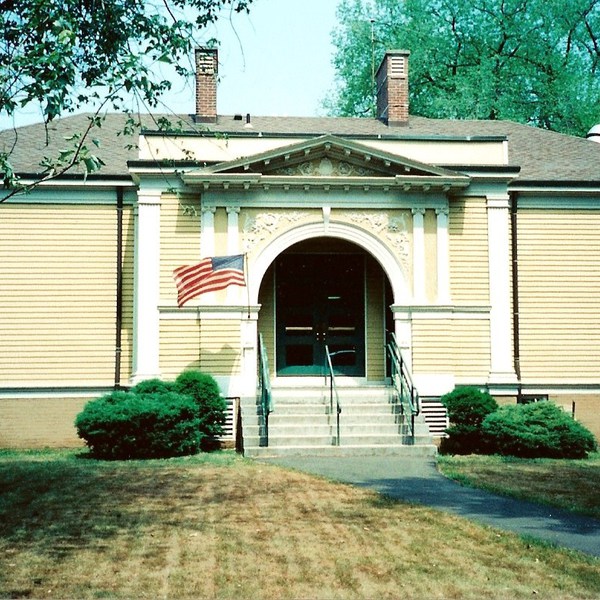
(153, 386)
(125, 425)
(212, 408)
(467, 407)
(536, 430)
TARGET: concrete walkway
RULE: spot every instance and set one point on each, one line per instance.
(417, 480)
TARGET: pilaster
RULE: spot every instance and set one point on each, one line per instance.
(502, 367)
(233, 247)
(443, 256)
(146, 290)
(207, 243)
(419, 274)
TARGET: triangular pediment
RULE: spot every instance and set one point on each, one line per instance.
(328, 156)
(327, 160)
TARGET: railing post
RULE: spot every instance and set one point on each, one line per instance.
(332, 390)
(265, 387)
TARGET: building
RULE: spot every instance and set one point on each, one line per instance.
(477, 243)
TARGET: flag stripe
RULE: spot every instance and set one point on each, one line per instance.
(209, 275)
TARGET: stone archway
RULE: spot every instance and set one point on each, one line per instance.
(370, 243)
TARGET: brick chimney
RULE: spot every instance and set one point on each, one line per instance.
(207, 67)
(392, 88)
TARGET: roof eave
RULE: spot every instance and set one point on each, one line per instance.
(257, 180)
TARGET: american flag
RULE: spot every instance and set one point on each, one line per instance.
(209, 275)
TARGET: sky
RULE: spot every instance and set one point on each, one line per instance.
(281, 63)
(274, 61)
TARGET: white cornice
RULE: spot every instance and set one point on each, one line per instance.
(243, 181)
(562, 202)
(73, 195)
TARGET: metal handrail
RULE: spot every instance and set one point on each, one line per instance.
(264, 385)
(333, 392)
(406, 392)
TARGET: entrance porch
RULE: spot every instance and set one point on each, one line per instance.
(331, 374)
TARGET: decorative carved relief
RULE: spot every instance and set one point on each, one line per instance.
(325, 167)
(265, 225)
(392, 229)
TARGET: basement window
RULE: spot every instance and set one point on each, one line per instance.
(529, 398)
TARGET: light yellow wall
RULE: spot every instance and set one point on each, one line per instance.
(375, 343)
(446, 152)
(469, 267)
(559, 295)
(180, 220)
(127, 295)
(180, 341)
(266, 317)
(430, 228)
(458, 346)
(58, 300)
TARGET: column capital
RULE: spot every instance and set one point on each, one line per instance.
(233, 210)
(149, 196)
(209, 209)
(498, 201)
(418, 211)
(442, 211)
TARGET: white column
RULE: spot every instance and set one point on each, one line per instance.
(502, 367)
(443, 257)
(207, 238)
(146, 291)
(419, 294)
(207, 244)
(249, 342)
(233, 247)
(403, 333)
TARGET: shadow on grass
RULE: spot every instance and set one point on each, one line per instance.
(57, 507)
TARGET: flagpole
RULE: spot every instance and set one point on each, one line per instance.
(199, 340)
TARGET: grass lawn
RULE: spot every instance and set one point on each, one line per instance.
(220, 526)
(570, 484)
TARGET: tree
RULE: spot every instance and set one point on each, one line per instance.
(530, 61)
(74, 53)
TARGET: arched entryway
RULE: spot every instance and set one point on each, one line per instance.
(325, 292)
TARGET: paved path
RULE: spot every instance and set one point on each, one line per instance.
(417, 480)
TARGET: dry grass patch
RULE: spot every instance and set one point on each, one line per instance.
(224, 527)
(570, 484)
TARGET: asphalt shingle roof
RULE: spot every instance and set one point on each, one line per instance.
(542, 155)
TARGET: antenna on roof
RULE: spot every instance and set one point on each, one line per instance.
(373, 84)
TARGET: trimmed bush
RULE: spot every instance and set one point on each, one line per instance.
(153, 386)
(125, 425)
(537, 430)
(467, 408)
(212, 408)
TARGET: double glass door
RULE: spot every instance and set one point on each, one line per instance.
(320, 300)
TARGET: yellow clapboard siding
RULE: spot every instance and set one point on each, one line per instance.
(266, 316)
(180, 343)
(375, 342)
(458, 346)
(58, 301)
(559, 294)
(179, 238)
(469, 268)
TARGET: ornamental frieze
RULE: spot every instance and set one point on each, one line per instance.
(325, 167)
(263, 226)
(391, 228)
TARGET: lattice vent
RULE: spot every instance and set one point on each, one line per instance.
(398, 67)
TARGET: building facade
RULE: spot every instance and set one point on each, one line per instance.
(476, 243)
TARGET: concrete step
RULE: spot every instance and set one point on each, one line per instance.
(301, 423)
(277, 439)
(380, 450)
